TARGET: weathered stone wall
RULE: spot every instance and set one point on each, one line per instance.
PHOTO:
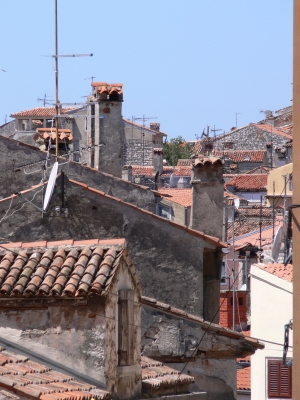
(249, 138)
(167, 259)
(70, 335)
(174, 341)
(137, 152)
(15, 155)
(8, 129)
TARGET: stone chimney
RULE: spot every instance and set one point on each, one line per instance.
(207, 195)
(155, 126)
(158, 154)
(105, 128)
(127, 173)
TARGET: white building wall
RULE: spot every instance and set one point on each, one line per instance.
(271, 309)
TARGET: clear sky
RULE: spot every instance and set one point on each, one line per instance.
(189, 63)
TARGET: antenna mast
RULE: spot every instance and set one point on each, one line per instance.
(144, 119)
(57, 103)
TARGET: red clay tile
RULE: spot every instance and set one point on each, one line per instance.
(34, 244)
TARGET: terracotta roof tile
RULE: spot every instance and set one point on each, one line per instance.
(244, 182)
(28, 378)
(282, 271)
(41, 112)
(60, 270)
(179, 196)
(243, 379)
(241, 155)
(155, 374)
(275, 130)
(206, 161)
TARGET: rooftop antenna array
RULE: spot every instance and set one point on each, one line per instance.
(236, 118)
(215, 135)
(45, 100)
(144, 119)
(56, 56)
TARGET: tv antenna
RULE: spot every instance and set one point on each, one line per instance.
(56, 56)
(91, 77)
(236, 118)
(50, 186)
(144, 119)
(203, 134)
(45, 100)
(215, 130)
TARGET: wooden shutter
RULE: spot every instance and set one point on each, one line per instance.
(279, 380)
(125, 327)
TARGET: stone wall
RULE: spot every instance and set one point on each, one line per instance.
(52, 331)
(167, 259)
(249, 137)
(15, 155)
(137, 152)
(173, 340)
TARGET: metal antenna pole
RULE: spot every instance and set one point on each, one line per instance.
(236, 114)
(233, 271)
(284, 216)
(56, 80)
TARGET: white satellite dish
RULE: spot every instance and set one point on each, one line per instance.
(277, 243)
(50, 186)
(172, 180)
(236, 202)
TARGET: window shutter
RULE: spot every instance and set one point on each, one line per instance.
(273, 378)
(285, 381)
(279, 380)
(125, 327)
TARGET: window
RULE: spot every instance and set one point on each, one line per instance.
(164, 211)
(125, 327)
(279, 380)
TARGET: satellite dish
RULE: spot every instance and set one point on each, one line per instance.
(277, 243)
(50, 186)
(236, 203)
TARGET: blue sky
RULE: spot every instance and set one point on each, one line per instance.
(189, 63)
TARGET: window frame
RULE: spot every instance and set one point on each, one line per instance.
(283, 389)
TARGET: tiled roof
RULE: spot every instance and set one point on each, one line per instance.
(184, 162)
(244, 226)
(205, 161)
(274, 130)
(179, 196)
(64, 268)
(148, 170)
(259, 170)
(241, 155)
(183, 171)
(278, 269)
(243, 379)
(109, 88)
(254, 212)
(205, 324)
(44, 133)
(155, 374)
(251, 182)
(30, 379)
(42, 112)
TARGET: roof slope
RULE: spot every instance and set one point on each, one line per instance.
(41, 112)
(241, 155)
(59, 269)
(155, 375)
(243, 379)
(31, 379)
(279, 269)
(249, 182)
(179, 196)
